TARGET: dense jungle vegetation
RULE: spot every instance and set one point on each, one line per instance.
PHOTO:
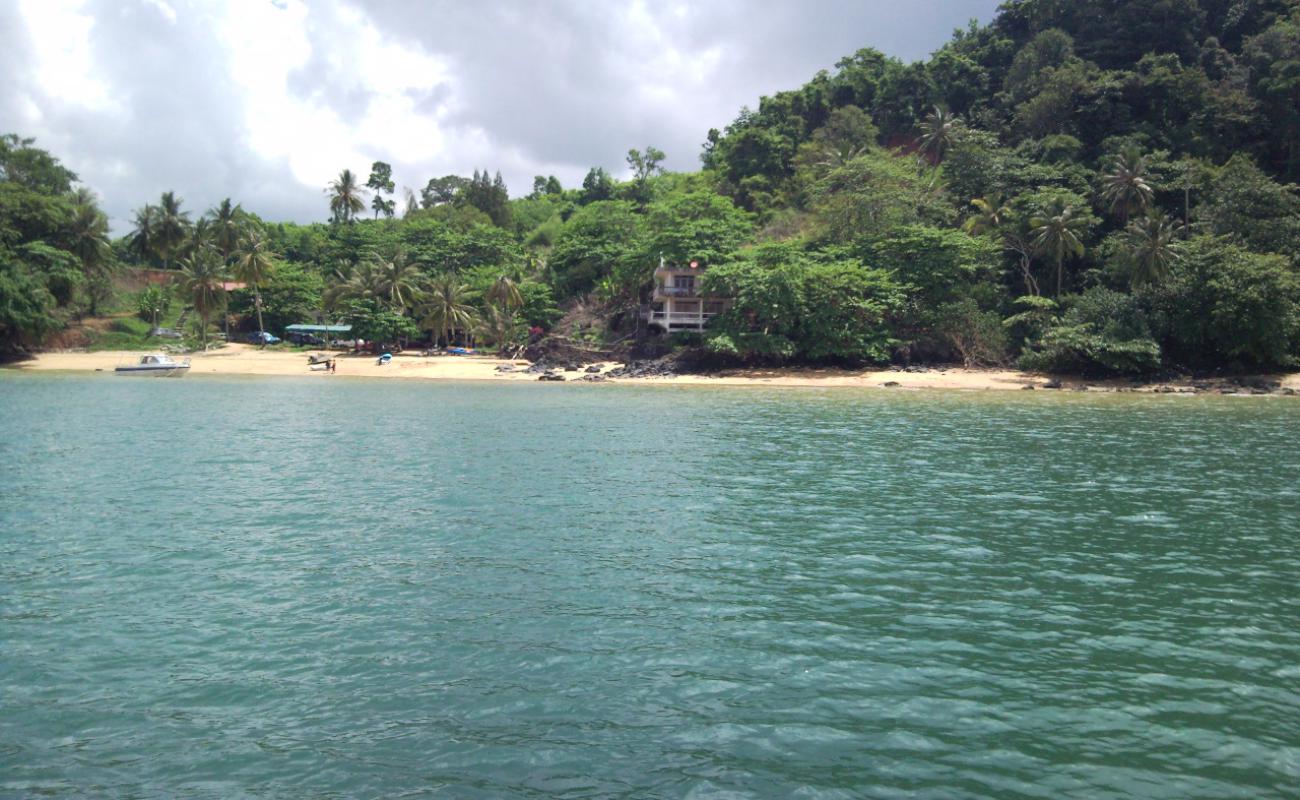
(1102, 186)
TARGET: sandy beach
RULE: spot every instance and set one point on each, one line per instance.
(239, 359)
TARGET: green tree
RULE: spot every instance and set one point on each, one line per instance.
(1154, 246)
(1056, 233)
(88, 240)
(142, 239)
(227, 222)
(171, 228)
(253, 266)
(202, 280)
(381, 183)
(1125, 185)
(397, 280)
(1223, 305)
(937, 133)
(446, 308)
(504, 293)
(345, 197)
(440, 191)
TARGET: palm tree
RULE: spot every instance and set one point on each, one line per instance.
(1125, 186)
(505, 293)
(228, 223)
(345, 197)
(202, 279)
(397, 279)
(989, 215)
(201, 235)
(88, 236)
(253, 266)
(937, 132)
(446, 309)
(362, 282)
(1154, 246)
(141, 241)
(1054, 234)
(169, 233)
(500, 326)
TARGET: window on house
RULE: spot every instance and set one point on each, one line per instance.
(684, 282)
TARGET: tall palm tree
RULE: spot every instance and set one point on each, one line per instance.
(1154, 246)
(505, 293)
(346, 197)
(141, 241)
(990, 214)
(88, 236)
(397, 279)
(228, 222)
(173, 224)
(1126, 184)
(202, 279)
(1055, 234)
(937, 132)
(253, 266)
(446, 308)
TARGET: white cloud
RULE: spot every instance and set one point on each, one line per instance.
(265, 101)
(64, 70)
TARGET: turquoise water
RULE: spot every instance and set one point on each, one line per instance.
(283, 588)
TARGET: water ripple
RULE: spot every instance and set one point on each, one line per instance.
(217, 588)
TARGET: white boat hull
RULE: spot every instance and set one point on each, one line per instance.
(170, 371)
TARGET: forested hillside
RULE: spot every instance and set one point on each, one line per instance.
(1082, 185)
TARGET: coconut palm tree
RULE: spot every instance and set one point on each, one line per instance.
(253, 266)
(172, 225)
(228, 222)
(202, 279)
(88, 236)
(500, 326)
(1125, 186)
(141, 238)
(1154, 246)
(1055, 234)
(937, 132)
(346, 197)
(505, 293)
(397, 279)
(362, 282)
(446, 307)
(990, 214)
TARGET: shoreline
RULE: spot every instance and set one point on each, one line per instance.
(237, 359)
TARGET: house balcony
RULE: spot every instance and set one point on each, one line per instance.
(672, 321)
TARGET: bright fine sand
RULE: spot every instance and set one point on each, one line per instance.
(239, 359)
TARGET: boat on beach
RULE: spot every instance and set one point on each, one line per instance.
(159, 365)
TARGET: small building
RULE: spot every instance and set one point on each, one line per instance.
(678, 303)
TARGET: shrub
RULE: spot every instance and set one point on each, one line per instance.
(1103, 331)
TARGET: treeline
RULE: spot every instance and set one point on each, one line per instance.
(1089, 185)
(1094, 185)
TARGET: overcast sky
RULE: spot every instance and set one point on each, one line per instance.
(265, 101)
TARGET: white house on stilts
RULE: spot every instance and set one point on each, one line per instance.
(678, 303)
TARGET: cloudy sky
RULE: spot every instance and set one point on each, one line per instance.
(265, 101)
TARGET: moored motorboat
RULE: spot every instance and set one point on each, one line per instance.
(159, 365)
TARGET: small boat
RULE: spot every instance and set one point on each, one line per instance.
(159, 365)
(386, 358)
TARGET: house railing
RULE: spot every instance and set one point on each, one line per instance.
(676, 291)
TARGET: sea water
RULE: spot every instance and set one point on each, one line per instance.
(219, 587)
